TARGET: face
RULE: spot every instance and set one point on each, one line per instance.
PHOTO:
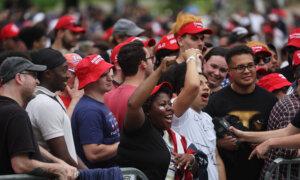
(71, 78)
(273, 65)
(10, 44)
(191, 41)
(30, 83)
(161, 112)
(215, 69)
(239, 74)
(150, 58)
(104, 83)
(40, 43)
(70, 39)
(203, 95)
(59, 77)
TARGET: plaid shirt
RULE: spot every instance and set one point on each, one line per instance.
(281, 115)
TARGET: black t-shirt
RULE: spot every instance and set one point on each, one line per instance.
(253, 111)
(145, 150)
(296, 121)
(16, 135)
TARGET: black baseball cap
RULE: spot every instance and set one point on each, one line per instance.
(13, 65)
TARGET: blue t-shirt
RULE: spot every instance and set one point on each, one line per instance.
(93, 123)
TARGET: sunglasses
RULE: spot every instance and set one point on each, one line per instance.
(265, 59)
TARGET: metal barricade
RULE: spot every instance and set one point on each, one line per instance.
(287, 169)
(128, 174)
(21, 177)
(133, 174)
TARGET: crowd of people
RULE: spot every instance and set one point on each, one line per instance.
(79, 105)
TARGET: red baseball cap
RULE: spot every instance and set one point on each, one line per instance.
(9, 31)
(72, 59)
(114, 53)
(69, 22)
(296, 58)
(167, 42)
(259, 48)
(273, 82)
(158, 87)
(90, 69)
(193, 28)
(294, 38)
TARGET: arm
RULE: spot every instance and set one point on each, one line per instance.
(191, 84)
(258, 137)
(48, 156)
(221, 167)
(22, 164)
(100, 152)
(135, 116)
(58, 148)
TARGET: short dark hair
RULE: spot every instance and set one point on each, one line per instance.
(130, 57)
(30, 34)
(272, 47)
(216, 51)
(160, 54)
(238, 50)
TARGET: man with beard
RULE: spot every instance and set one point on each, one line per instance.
(67, 34)
(19, 152)
(248, 106)
(51, 124)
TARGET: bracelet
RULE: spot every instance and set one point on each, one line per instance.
(191, 58)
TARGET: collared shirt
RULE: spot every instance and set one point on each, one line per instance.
(281, 115)
(49, 119)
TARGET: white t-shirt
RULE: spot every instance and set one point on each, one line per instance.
(49, 119)
(198, 127)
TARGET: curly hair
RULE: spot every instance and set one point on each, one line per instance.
(182, 19)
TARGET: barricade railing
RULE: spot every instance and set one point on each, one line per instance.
(280, 168)
(128, 174)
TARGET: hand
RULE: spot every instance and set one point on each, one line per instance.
(74, 92)
(228, 143)
(192, 52)
(238, 133)
(71, 171)
(63, 172)
(166, 63)
(183, 160)
(261, 150)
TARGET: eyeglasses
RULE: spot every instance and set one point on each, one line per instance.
(31, 73)
(241, 68)
(265, 59)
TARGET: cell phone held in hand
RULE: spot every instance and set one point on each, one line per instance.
(221, 126)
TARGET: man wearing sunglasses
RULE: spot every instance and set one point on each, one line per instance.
(249, 104)
(262, 56)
